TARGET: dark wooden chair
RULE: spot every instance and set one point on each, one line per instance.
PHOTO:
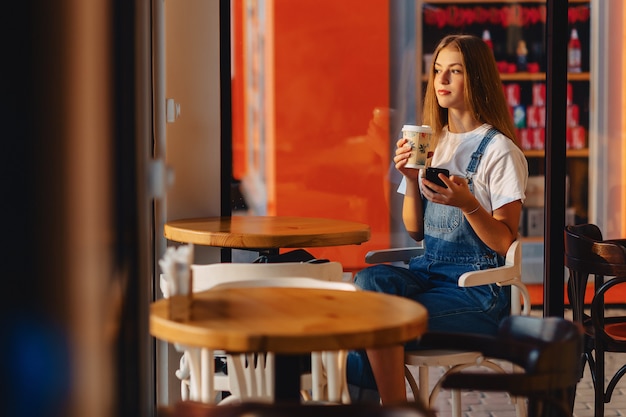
(586, 253)
(195, 409)
(547, 349)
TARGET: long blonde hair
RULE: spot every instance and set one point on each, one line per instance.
(484, 95)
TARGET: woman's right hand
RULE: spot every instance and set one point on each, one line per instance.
(403, 152)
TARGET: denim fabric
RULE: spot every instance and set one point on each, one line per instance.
(451, 249)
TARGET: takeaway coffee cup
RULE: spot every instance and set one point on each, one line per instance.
(422, 145)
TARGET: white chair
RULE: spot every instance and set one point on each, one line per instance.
(251, 375)
(454, 361)
(199, 379)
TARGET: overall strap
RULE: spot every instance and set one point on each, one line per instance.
(478, 153)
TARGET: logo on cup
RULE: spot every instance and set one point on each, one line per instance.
(422, 146)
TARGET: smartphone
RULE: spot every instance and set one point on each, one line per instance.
(432, 174)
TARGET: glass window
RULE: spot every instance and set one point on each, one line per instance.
(321, 89)
(313, 119)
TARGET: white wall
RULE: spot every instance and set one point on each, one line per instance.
(192, 79)
(607, 136)
(192, 142)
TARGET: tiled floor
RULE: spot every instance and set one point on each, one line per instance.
(490, 404)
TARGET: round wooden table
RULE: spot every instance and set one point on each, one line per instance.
(291, 321)
(267, 232)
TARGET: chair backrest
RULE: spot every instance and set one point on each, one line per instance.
(548, 349)
(586, 252)
(403, 255)
(509, 274)
(289, 282)
(550, 345)
(207, 276)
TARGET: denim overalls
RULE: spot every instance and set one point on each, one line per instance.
(451, 249)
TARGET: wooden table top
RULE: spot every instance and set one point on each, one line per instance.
(267, 232)
(291, 320)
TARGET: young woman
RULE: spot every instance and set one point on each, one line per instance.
(467, 225)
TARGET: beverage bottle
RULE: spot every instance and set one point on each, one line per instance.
(573, 53)
(522, 56)
(487, 39)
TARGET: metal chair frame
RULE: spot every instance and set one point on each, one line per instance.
(587, 254)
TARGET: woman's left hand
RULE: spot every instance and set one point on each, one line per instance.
(457, 194)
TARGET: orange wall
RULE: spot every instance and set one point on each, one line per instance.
(237, 89)
(327, 157)
(331, 68)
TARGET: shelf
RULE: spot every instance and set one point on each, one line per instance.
(578, 76)
(541, 76)
(527, 17)
(534, 76)
(570, 153)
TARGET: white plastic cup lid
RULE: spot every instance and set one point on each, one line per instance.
(414, 128)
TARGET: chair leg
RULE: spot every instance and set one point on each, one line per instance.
(412, 383)
(195, 364)
(316, 376)
(598, 385)
(456, 403)
(333, 379)
(429, 397)
(418, 397)
(343, 361)
(521, 408)
(432, 395)
(183, 374)
(424, 390)
(207, 393)
(571, 399)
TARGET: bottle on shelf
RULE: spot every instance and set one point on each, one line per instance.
(487, 38)
(522, 56)
(573, 53)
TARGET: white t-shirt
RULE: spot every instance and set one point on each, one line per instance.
(502, 172)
